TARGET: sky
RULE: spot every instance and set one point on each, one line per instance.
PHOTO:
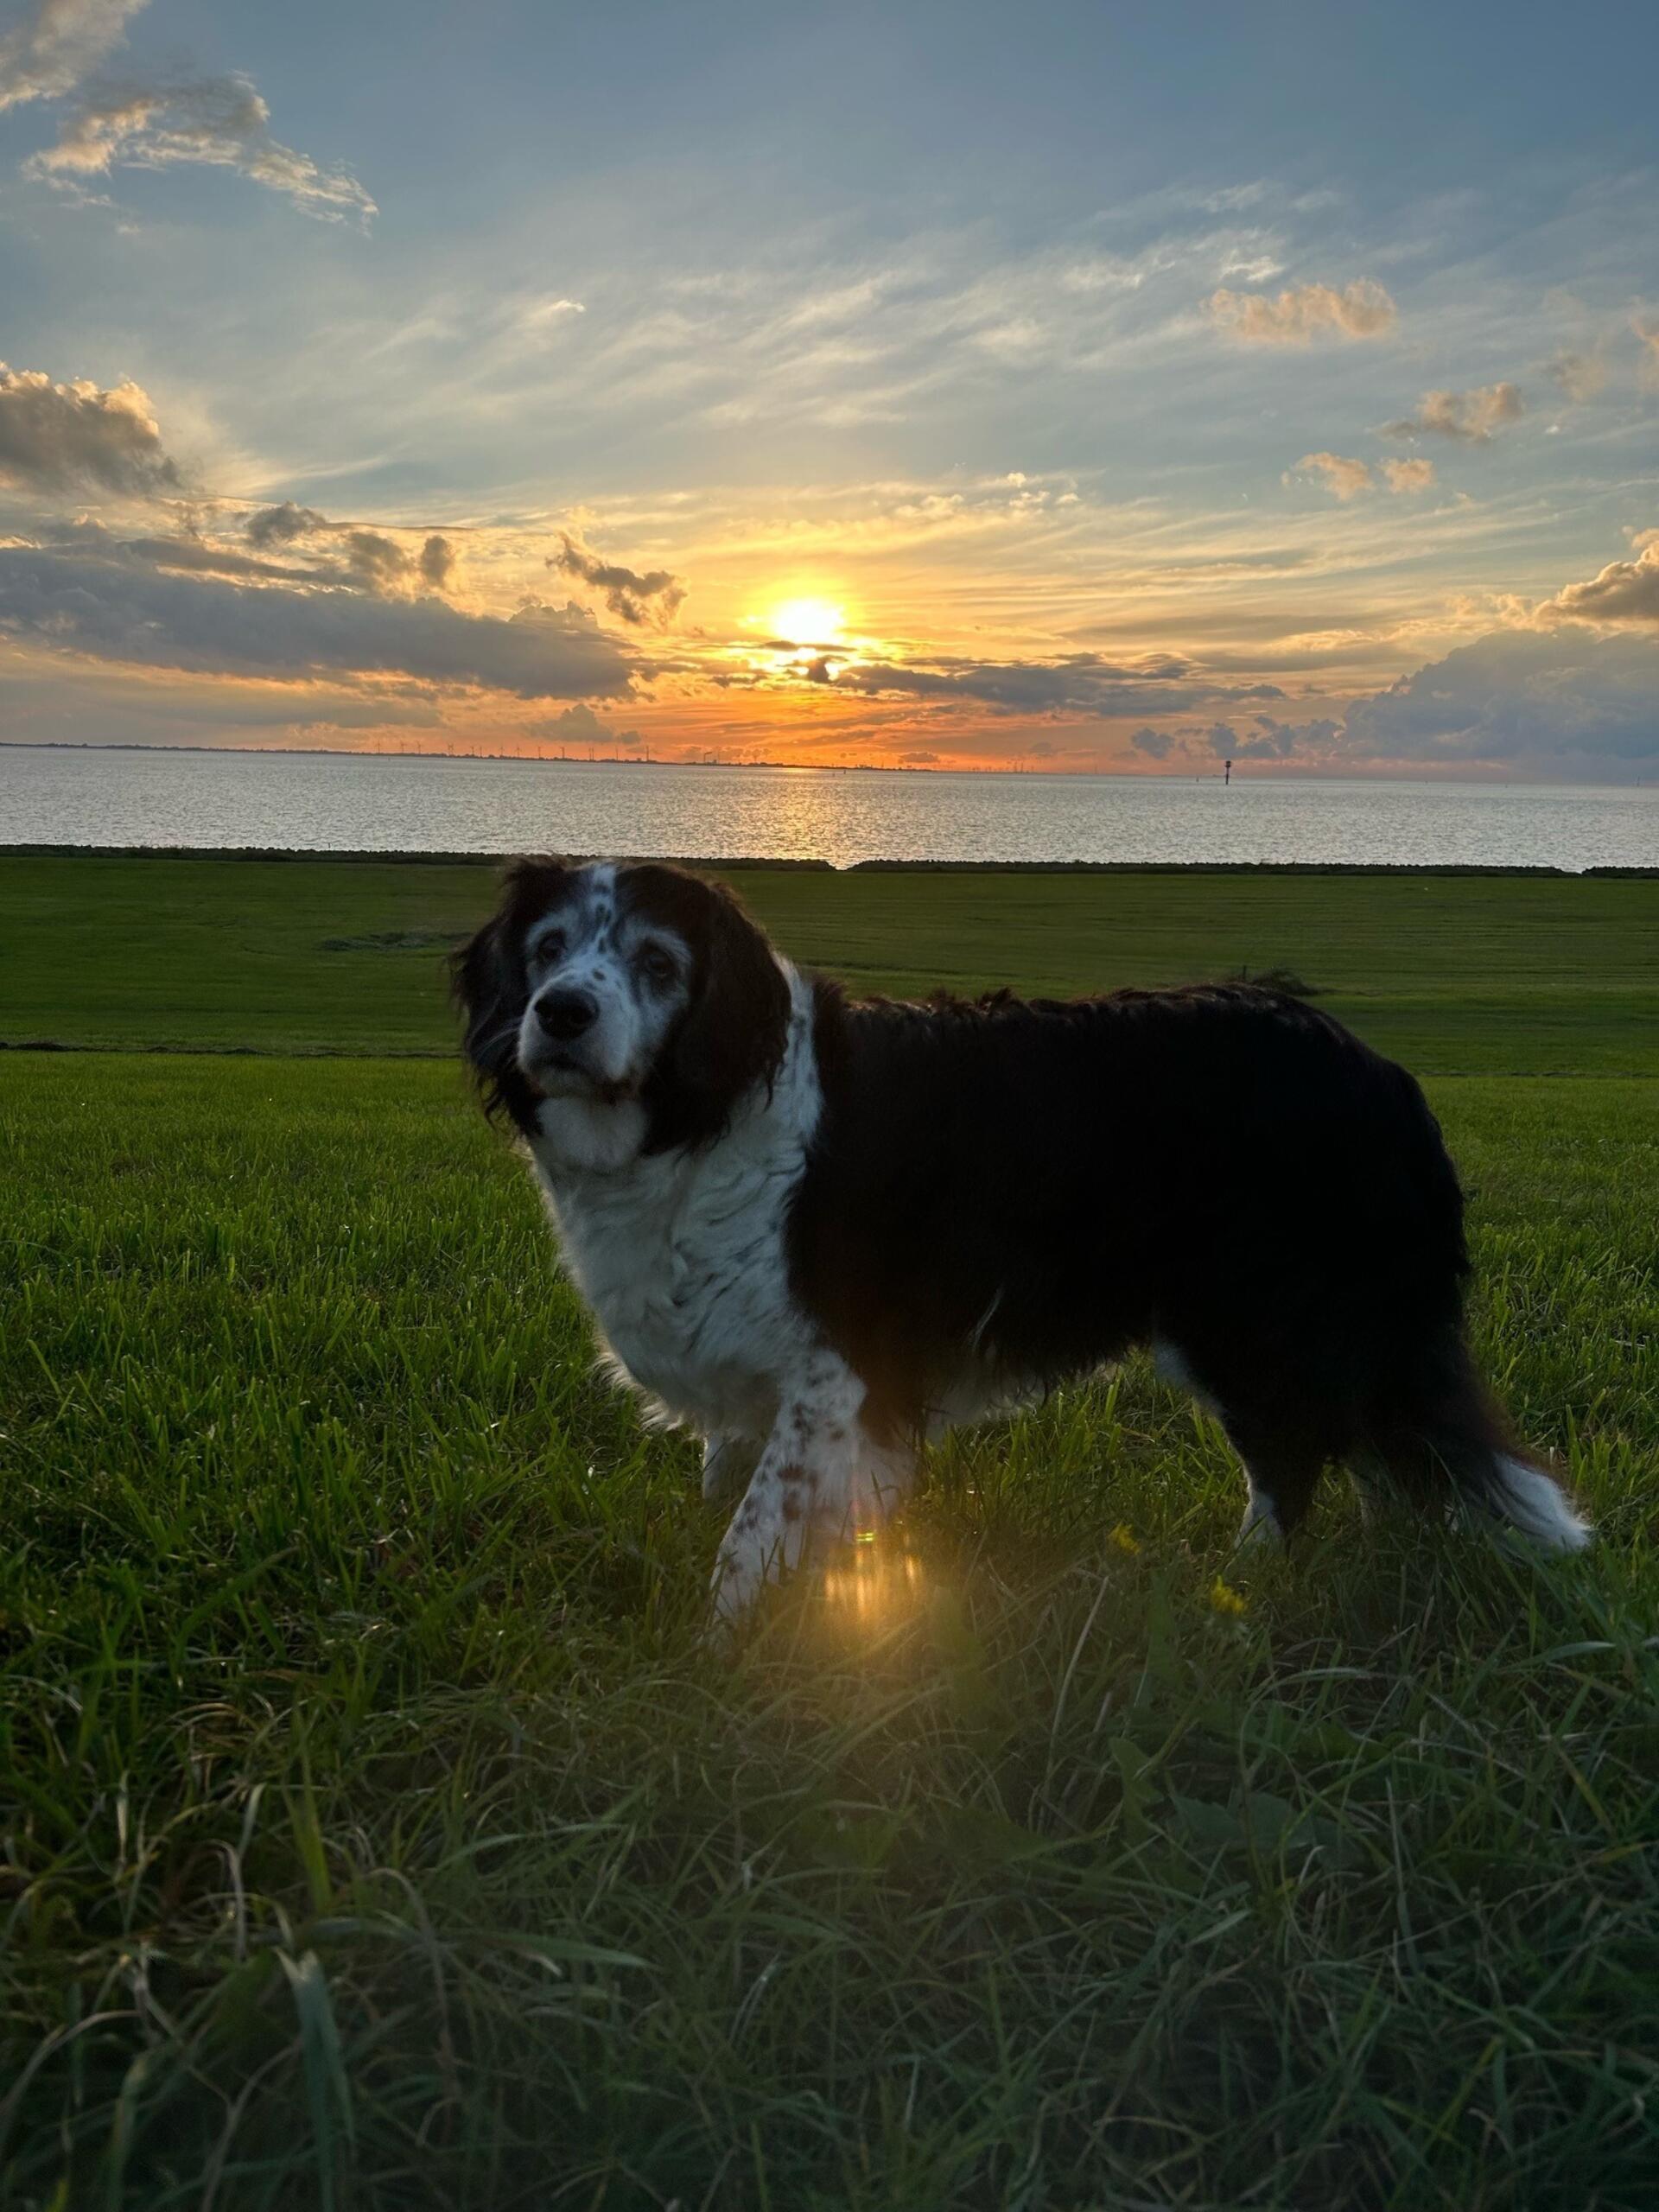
(1078, 387)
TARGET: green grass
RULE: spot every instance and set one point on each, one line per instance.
(1458, 974)
(377, 1828)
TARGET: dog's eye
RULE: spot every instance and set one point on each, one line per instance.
(548, 949)
(657, 965)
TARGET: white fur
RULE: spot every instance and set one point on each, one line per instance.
(590, 946)
(1538, 1508)
(682, 1257)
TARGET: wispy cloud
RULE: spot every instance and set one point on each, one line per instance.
(217, 122)
(1578, 376)
(1296, 317)
(51, 44)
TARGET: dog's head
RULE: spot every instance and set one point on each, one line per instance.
(612, 983)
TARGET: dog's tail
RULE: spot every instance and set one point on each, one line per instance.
(1447, 1440)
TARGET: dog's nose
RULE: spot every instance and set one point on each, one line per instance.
(565, 1013)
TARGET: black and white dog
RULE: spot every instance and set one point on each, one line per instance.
(818, 1232)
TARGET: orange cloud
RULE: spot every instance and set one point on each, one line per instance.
(1361, 310)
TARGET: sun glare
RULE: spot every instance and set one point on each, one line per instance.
(808, 621)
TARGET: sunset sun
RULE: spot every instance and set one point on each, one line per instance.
(808, 622)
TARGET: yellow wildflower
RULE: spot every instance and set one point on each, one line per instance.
(1125, 1538)
(1226, 1600)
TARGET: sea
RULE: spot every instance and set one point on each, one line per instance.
(317, 801)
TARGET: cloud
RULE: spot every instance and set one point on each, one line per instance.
(1267, 739)
(1471, 417)
(1154, 743)
(1360, 310)
(437, 562)
(1561, 701)
(54, 436)
(1408, 475)
(373, 560)
(221, 122)
(1579, 376)
(281, 525)
(117, 609)
(53, 43)
(1625, 591)
(580, 725)
(1346, 478)
(189, 553)
(1647, 332)
(1082, 684)
(653, 598)
(380, 562)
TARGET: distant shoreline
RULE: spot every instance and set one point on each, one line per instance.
(723, 863)
(1243, 771)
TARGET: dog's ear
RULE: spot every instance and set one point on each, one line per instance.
(731, 1037)
(490, 986)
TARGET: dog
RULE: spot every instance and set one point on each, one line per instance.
(818, 1232)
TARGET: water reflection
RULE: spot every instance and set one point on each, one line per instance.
(383, 804)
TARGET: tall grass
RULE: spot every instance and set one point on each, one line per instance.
(381, 1830)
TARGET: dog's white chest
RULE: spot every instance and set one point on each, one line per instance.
(682, 1259)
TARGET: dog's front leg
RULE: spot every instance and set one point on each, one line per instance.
(728, 1463)
(817, 1479)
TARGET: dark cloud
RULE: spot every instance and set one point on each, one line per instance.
(437, 561)
(281, 525)
(378, 561)
(1265, 739)
(190, 554)
(1471, 417)
(126, 610)
(580, 725)
(57, 436)
(373, 559)
(218, 122)
(654, 597)
(1084, 683)
(1156, 744)
(1554, 702)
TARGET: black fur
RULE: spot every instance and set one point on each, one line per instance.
(490, 986)
(727, 1042)
(731, 1038)
(1220, 1167)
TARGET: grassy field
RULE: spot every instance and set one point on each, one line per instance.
(377, 1828)
(1458, 975)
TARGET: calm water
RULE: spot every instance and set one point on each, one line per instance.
(382, 803)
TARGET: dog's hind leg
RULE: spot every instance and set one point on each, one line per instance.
(1282, 1471)
(1281, 1464)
